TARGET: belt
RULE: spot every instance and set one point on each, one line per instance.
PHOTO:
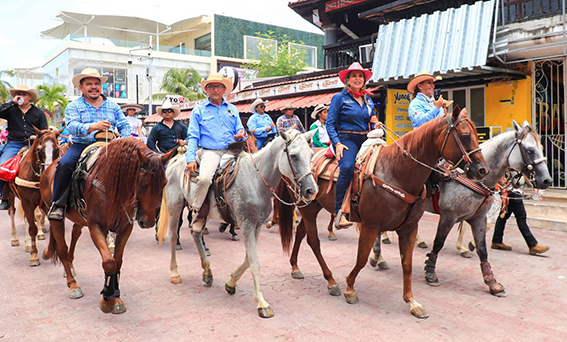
(353, 132)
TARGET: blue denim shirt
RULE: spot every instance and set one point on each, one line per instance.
(212, 127)
(259, 123)
(346, 114)
(422, 110)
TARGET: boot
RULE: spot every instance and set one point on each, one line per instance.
(341, 222)
(538, 249)
(502, 246)
(4, 205)
(56, 213)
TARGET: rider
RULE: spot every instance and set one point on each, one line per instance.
(167, 133)
(321, 138)
(130, 110)
(84, 116)
(288, 120)
(214, 124)
(260, 124)
(347, 125)
(22, 117)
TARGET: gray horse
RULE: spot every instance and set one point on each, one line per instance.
(458, 203)
(249, 201)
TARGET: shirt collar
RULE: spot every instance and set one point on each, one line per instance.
(427, 99)
(85, 101)
(208, 102)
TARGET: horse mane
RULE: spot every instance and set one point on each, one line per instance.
(531, 131)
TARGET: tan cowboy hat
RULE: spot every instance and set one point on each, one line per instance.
(88, 72)
(22, 87)
(318, 109)
(168, 105)
(138, 108)
(354, 67)
(288, 106)
(420, 77)
(256, 102)
(217, 78)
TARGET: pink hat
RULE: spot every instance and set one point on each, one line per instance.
(354, 67)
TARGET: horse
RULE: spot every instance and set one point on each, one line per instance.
(42, 152)
(124, 185)
(408, 163)
(520, 150)
(249, 201)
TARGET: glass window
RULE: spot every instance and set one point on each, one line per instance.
(460, 98)
(203, 42)
(310, 53)
(476, 112)
(253, 46)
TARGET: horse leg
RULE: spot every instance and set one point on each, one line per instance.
(57, 236)
(205, 263)
(40, 215)
(365, 242)
(478, 226)
(32, 231)
(443, 229)
(174, 210)
(12, 212)
(250, 239)
(385, 238)
(235, 236)
(108, 300)
(275, 217)
(40, 223)
(465, 253)
(376, 256)
(120, 245)
(332, 235)
(75, 234)
(407, 243)
(300, 233)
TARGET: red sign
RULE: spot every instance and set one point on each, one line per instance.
(337, 4)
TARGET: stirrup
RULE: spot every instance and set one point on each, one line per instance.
(338, 226)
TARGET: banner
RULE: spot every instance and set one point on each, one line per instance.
(397, 118)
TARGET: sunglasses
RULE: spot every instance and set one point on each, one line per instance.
(261, 106)
(167, 110)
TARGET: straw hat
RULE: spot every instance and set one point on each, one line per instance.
(255, 103)
(131, 105)
(168, 105)
(420, 77)
(288, 106)
(22, 87)
(318, 109)
(354, 67)
(217, 78)
(88, 72)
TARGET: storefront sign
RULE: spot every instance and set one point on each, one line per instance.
(483, 134)
(337, 4)
(306, 86)
(397, 117)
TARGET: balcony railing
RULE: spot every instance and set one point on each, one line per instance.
(514, 11)
(344, 54)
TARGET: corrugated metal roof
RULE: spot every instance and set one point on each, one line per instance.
(440, 42)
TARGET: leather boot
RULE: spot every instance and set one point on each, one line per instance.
(501, 246)
(538, 249)
(4, 205)
(56, 213)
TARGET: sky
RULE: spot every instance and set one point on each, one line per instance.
(21, 44)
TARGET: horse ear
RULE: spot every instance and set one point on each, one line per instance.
(456, 112)
(142, 157)
(309, 135)
(166, 157)
(284, 135)
(517, 127)
(526, 123)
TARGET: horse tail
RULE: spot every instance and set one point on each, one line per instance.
(19, 209)
(163, 221)
(285, 214)
(51, 252)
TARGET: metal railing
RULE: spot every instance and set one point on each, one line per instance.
(344, 54)
(513, 11)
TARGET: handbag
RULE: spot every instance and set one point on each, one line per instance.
(9, 169)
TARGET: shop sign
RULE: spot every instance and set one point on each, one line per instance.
(338, 4)
(397, 112)
(327, 83)
(285, 89)
(330, 83)
(483, 134)
(306, 86)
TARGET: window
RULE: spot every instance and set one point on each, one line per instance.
(203, 42)
(253, 46)
(310, 55)
(470, 98)
(116, 86)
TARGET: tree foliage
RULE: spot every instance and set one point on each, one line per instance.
(51, 97)
(184, 82)
(5, 86)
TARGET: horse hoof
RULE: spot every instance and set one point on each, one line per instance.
(175, 279)
(178, 247)
(297, 274)
(386, 241)
(383, 265)
(351, 298)
(334, 290)
(45, 255)
(266, 312)
(501, 294)
(466, 254)
(76, 293)
(105, 306)
(119, 307)
(235, 238)
(41, 237)
(15, 242)
(34, 262)
(28, 249)
(373, 262)
(231, 290)
(208, 279)
(432, 280)
(498, 290)
(269, 225)
(205, 231)
(471, 247)
(419, 312)
(422, 244)
(332, 237)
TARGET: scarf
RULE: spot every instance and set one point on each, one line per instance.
(360, 93)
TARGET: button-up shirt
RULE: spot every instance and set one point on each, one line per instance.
(212, 127)
(422, 109)
(346, 114)
(259, 123)
(80, 114)
(20, 125)
(285, 122)
(165, 137)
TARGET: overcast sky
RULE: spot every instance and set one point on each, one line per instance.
(22, 21)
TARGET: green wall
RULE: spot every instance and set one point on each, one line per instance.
(229, 33)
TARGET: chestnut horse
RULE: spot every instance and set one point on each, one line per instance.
(124, 185)
(406, 165)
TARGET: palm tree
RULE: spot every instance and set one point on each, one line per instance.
(51, 97)
(5, 86)
(184, 82)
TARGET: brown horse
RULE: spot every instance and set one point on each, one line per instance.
(42, 152)
(125, 185)
(403, 167)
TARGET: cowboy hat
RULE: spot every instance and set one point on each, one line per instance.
(88, 72)
(131, 105)
(421, 77)
(288, 106)
(22, 87)
(168, 105)
(354, 67)
(217, 78)
(256, 102)
(318, 109)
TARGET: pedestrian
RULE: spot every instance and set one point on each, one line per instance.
(21, 117)
(130, 110)
(260, 124)
(288, 120)
(347, 124)
(85, 116)
(168, 133)
(321, 138)
(514, 204)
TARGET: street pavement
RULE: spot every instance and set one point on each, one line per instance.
(34, 303)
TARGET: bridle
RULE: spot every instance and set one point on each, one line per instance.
(466, 156)
(42, 164)
(529, 163)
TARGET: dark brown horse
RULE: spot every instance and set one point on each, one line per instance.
(125, 185)
(452, 137)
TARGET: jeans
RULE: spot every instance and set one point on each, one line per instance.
(346, 165)
(516, 206)
(8, 151)
(65, 168)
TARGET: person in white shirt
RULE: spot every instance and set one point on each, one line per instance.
(130, 110)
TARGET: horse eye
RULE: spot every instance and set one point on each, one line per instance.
(466, 137)
(144, 187)
(294, 157)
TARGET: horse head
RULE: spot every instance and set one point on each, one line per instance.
(460, 144)
(295, 162)
(151, 181)
(527, 157)
(46, 147)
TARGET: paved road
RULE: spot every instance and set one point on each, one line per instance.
(34, 305)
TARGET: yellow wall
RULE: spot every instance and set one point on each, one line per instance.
(397, 112)
(517, 103)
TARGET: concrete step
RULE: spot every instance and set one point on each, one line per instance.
(549, 223)
(557, 195)
(547, 208)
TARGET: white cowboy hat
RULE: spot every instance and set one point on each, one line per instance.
(318, 109)
(288, 106)
(22, 87)
(217, 78)
(88, 72)
(420, 77)
(354, 67)
(168, 105)
(138, 108)
(256, 103)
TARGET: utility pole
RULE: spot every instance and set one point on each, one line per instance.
(150, 71)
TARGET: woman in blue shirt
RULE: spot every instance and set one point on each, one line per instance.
(260, 124)
(347, 125)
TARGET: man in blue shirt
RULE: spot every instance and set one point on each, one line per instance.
(84, 117)
(214, 124)
(260, 124)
